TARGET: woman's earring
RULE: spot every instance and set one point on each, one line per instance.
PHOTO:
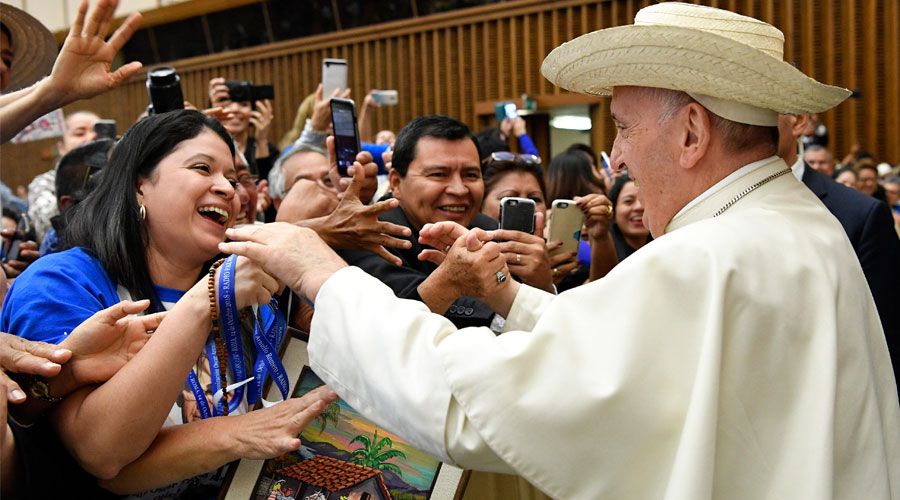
(143, 212)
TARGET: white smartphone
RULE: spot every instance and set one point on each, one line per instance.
(334, 76)
(385, 97)
(565, 225)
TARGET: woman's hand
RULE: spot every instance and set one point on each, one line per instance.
(218, 92)
(273, 431)
(561, 263)
(261, 119)
(321, 117)
(526, 255)
(598, 213)
(252, 285)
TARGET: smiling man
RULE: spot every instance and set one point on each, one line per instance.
(436, 176)
(738, 355)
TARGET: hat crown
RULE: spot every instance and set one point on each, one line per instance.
(742, 29)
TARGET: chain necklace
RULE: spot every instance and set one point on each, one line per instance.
(750, 190)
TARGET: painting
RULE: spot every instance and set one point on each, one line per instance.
(344, 456)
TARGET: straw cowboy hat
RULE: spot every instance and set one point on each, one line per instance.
(34, 47)
(732, 64)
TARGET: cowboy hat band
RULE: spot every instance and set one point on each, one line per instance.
(731, 64)
(34, 47)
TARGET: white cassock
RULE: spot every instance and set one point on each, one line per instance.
(734, 357)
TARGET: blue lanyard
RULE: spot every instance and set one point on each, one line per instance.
(265, 340)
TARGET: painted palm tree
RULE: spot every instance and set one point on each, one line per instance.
(329, 415)
(371, 454)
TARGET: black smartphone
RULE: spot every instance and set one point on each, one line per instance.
(105, 129)
(346, 133)
(24, 232)
(517, 214)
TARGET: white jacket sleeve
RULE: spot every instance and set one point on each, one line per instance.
(380, 354)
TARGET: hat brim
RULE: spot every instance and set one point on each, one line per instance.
(34, 48)
(689, 60)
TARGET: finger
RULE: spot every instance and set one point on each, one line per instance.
(125, 73)
(78, 23)
(248, 233)
(11, 390)
(247, 249)
(567, 268)
(23, 360)
(388, 256)
(516, 247)
(358, 178)
(345, 94)
(382, 206)
(150, 322)
(435, 256)
(553, 245)
(95, 19)
(512, 235)
(539, 225)
(118, 311)
(473, 242)
(389, 228)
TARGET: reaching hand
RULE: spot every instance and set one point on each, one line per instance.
(103, 343)
(526, 255)
(561, 263)
(273, 431)
(598, 213)
(252, 285)
(25, 356)
(261, 119)
(472, 265)
(321, 117)
(295, 255)
(218, 92)
(440, 236)
(82, 69)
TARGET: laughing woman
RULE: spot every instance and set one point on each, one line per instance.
(149, 230)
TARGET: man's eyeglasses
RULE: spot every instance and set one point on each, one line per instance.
(248, 180)
(514, 157)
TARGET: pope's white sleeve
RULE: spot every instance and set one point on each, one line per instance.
(379, 353)
(527, 308)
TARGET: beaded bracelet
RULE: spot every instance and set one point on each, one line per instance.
(221, 349)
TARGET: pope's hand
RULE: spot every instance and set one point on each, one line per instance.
(472, 265)
(441, 236)
(294, 255)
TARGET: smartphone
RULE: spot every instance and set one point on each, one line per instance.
(517, 214)
(385, 97)
(105, 129)
(565, 225)
(605, 164)
(346, 133)
(24, 232)
(334, 76)
(505, 110)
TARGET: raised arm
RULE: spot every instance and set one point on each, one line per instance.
(81, 71)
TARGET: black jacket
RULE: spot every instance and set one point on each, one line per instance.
(870, 228)
(404, 280)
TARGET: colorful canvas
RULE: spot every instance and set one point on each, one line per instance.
(345, 456)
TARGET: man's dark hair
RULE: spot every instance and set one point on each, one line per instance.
(76, 166)
(437, 126)
(108, 223)
(584, 148)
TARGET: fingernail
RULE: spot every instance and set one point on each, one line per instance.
(61, 352)
(17, 395)
(50, 365)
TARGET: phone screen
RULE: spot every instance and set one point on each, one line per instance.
(346, 140)
(605, 164)
(511, 112)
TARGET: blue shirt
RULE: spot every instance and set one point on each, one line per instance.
(58, 292)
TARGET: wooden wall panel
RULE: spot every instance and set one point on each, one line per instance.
(447, 63)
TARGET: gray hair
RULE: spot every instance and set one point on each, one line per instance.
(738, 137)
(817, 147)
(276, 175)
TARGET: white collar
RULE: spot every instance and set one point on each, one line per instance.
(737, 174)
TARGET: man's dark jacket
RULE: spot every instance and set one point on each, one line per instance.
(404, 280)
(870, 227)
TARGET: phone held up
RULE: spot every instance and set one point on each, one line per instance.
(24, 232)
(346, 133)
(334, 76)
(565, 225)
(517, 214)
(505, 110)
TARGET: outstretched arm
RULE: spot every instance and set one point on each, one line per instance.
(81, 71)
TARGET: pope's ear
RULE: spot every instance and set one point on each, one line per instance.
(693, 134)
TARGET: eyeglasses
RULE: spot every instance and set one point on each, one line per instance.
(514, 157)
(248, 180)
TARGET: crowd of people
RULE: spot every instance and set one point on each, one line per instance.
(143, 272)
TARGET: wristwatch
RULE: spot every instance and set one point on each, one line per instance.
(38, 388)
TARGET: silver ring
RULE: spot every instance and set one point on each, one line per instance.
(518, 258)
(446, 248)
(501, 277)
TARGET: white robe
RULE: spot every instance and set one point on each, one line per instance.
(734, 357)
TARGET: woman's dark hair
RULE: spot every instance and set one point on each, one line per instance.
(494, 170)
(569, 175)
(616, 188)
(437, 126)
(108, 223)
(585, 149)
(490, 141)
